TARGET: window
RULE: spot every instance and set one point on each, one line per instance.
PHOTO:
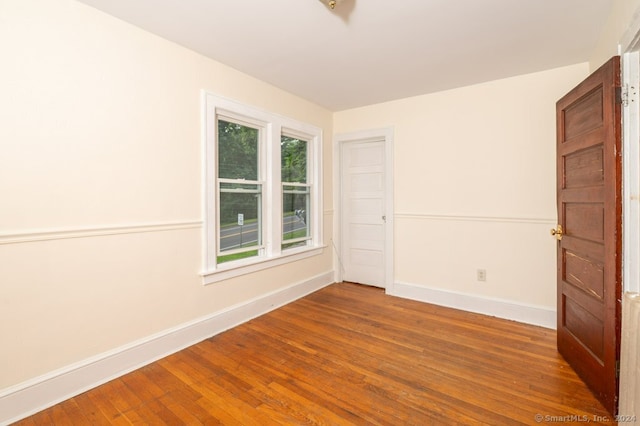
(262, 189)
(240, 186)
(296, 192)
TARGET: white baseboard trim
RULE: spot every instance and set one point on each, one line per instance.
(25, 399)
(528, 314)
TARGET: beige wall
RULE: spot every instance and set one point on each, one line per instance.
(621, 17)
(101, 126)
(475, 185)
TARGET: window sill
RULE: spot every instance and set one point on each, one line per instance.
(225, 272)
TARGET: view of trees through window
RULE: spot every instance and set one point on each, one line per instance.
(241, 195)
(237, 151)
(240, 189)
(295, 192)
(263, 185)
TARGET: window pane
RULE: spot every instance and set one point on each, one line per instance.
(295, 214)
(237, 256)
(294, 159)
(240, 216)
(237, 151)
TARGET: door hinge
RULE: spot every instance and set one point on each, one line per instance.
(622, 95)
(617, 369)
(626, 94)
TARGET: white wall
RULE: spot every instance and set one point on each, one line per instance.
(621, 17)
(475, 189)
(101, 128)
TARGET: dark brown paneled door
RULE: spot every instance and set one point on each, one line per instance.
(589, 240)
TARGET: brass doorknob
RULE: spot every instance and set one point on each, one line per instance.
(557, 232)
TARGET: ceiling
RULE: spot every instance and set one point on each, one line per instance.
(369, 51)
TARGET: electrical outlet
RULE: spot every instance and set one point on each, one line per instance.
(482, 274)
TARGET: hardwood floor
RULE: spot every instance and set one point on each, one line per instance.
(349, 354)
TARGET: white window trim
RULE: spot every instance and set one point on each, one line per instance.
(274, 126)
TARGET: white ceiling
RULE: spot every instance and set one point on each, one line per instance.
(370, 51)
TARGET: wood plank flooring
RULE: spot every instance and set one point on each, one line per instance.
(349, 354)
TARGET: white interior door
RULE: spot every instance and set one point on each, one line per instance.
(363, 212)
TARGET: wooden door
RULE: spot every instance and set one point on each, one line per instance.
(363, 212)
(589, 212)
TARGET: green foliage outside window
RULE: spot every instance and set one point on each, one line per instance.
(294, 160)
(237, 151)
(238, 148)
(295, 194)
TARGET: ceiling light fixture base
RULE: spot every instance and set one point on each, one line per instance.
(331, 3)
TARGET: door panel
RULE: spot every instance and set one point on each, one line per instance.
(584, 115)
(584, 273)
(589, 211)
(584, 168)
(586, 219)
(363, 201)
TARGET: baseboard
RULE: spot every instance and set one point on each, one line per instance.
(45, 391)
(527, 314)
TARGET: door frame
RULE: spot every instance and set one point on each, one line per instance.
(629, 49)
(384, 135)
